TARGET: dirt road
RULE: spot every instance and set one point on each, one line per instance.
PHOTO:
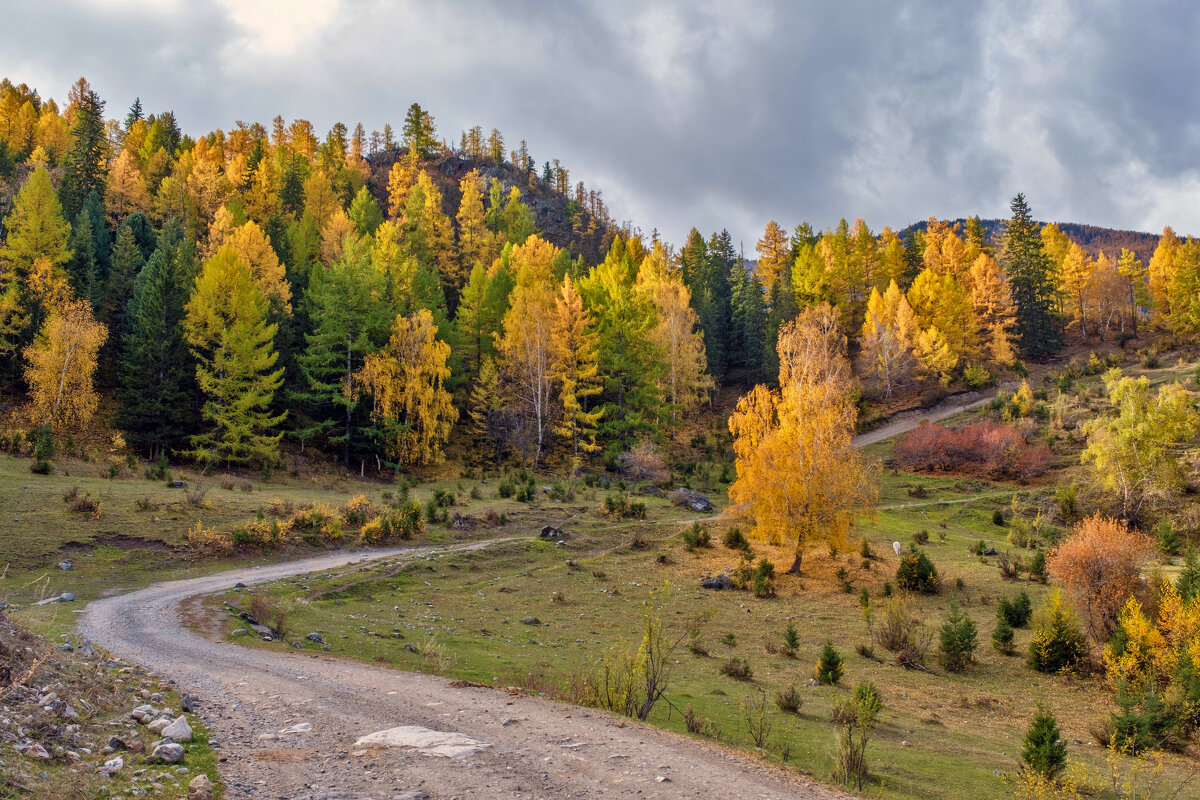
(907, 420)
(509, 746)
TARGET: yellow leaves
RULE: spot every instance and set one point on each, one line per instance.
(61, 364)
(532, 262)
(49, 287)
(774, 255)
(406, 383)
(799, 475)
(333, 234)
(319, 198)
(254, 249)
(125, 191)
(401, 180)
(1023, 399)
(935, 353)
(1144, 652)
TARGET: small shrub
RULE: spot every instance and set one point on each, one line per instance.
(829, 668)
(696, 535)
(916, 573)
(1007, 567)
(865, 550)
(729, 639)
(956, 646)
(697, 645)
(1168, 540)
(1036, 568)
(356, 511)
(1044, 751)
(998, 518)
(900, 631)
(507, 488)
(1143, 721)
(764, 579)
(844, 579)
(41, 467)
(855, 717)
(696, 724)
(986, 448)
(921, 537)
(734, 539)
(558, 597)
(1058, 643)
(737, 669)
(1002, 637)
(791, 641)
(789, 699)
(85, 505)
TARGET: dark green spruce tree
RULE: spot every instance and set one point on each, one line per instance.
(748, 325)
(1028, 269)
(127, 265)
(83, 167)
(157, 376)
(348, 322)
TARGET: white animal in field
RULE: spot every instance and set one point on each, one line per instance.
(896, 547)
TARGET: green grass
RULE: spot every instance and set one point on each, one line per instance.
(941, 736)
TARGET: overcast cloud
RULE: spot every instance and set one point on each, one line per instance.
(693, 113)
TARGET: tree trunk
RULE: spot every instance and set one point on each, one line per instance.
(794, 569)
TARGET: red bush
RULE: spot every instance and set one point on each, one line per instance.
(982, 448)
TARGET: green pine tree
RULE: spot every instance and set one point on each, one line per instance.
(365, 212)
(829, 669)
(1044, 750)
(84, 164)
(348, 321)
(1032, 285)
(156, 389)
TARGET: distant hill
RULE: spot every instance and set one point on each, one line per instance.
(585, 230)
(1092, 238)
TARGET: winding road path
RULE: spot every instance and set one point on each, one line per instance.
(533, 748)
(259, 704)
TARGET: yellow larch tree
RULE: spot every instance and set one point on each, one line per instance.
(799, 476)
(1159, 273)
(406, 382)
(476, 244)
(319, 198)
(945, 252)
(254, 248)
(995, 313)
(946, 321)
(401, 179)
(774, 255)
(888, 338)
(675, 335)
(333, 234)
(431, 236)
(574, 365)
(1073, 277)
(61, 363)
(125, 191)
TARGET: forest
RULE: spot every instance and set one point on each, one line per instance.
(398, 307)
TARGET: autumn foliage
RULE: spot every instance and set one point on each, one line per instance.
(1100, 566)
(986, 449)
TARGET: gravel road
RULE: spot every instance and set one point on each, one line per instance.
(531, 748)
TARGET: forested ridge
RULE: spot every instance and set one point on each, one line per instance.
(376, 296)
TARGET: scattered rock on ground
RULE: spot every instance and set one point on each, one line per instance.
(551, 533)
(694, 500)
(531, 620)
(178, 731)
(316, 637)
(168, 753)
(112, 766)
(200, 788)
(719, 582)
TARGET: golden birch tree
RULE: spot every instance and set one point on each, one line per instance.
(574, 365)
(61, 363)
(406, 382)
(799, 476)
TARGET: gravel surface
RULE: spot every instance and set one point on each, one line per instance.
(530, 748)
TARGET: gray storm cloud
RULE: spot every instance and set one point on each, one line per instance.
(698, 114)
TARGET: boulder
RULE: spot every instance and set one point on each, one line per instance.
(178, 731)
(159, 725)
(112, 767)
(531, 621)
(38, 752)
(64, 565)
(316, 637)
(200, 788)
(552, 534)
(991, 551)
(263, 631)
(719, 582)
(696, 501)
(168, 753)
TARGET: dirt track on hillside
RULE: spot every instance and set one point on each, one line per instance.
(534, 748)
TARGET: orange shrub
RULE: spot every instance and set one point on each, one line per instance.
(1100, 566)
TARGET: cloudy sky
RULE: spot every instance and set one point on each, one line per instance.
(696, 113)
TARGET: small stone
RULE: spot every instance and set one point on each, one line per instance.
(531, 621)
(64, 565)
(38, 752)
(906, 743)
(315, 637)
(299, 727)
(112, 767)
(178, 731)
(170, 753)
(200, 788)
